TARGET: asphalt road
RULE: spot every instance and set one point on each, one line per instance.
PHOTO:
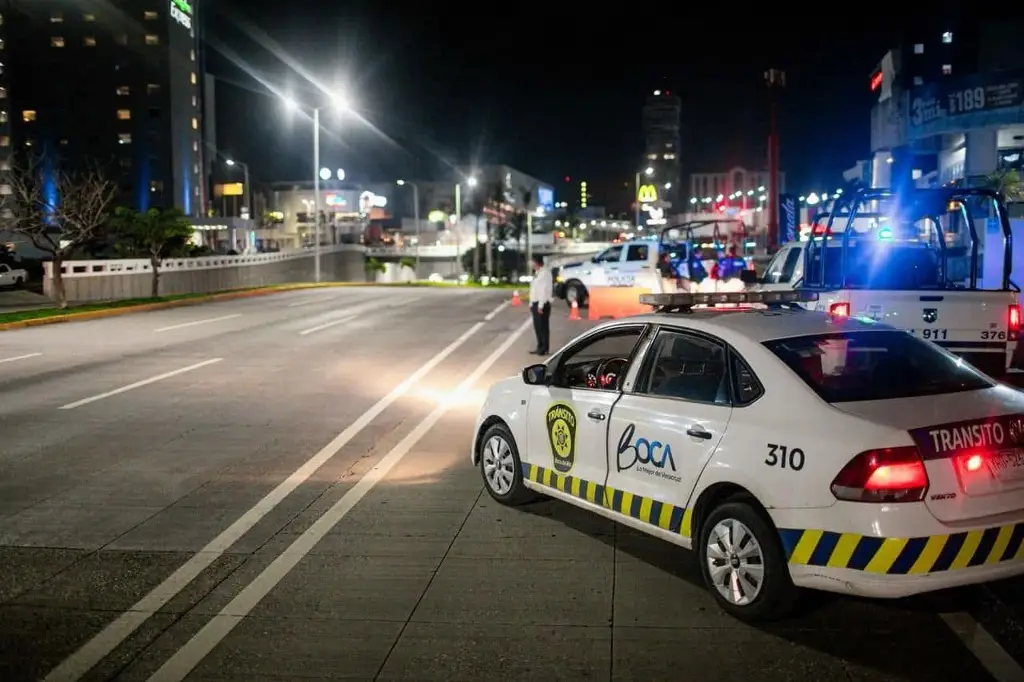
(277, 489)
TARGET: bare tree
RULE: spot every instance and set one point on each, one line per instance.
(58, 212)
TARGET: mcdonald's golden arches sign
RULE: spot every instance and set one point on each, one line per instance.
(648, 194)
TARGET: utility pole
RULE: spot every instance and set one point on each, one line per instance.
(775, 79)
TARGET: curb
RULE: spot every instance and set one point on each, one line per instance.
(161, 305)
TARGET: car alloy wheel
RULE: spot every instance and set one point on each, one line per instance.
(498, 465)
(735, 562)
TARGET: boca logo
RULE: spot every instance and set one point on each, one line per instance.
(561, 425)
(650, 457)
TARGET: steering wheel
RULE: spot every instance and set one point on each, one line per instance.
(608, 371)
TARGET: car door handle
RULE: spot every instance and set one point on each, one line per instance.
(596, 414)
(698, 432)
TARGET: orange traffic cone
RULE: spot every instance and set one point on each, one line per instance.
(515, 298)
(574, 312)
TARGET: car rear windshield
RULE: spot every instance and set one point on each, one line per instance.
(875, 365)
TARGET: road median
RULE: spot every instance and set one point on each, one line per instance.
(94, 311)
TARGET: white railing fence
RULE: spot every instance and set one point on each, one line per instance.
(138, 266)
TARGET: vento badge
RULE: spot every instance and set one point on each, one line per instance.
(561, 423)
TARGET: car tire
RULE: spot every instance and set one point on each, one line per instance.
(774, 596)
(575, 291)
(18, 282)
(501, 468)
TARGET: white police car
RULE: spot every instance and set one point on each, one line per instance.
(788, 448)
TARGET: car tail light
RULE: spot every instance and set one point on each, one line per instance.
(1013, 322)
(972, 461)
(839, 309)
(883, 475)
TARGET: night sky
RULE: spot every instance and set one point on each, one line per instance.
(553, 99)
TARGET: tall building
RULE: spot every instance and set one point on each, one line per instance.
(115, 84)
(661, 121)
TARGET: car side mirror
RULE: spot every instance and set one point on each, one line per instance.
(749, 277)
(535, 375)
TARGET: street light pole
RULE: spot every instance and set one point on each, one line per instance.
(458, 226)
(316, 194)
(416, 217)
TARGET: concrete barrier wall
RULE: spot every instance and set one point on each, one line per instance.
(112, 280)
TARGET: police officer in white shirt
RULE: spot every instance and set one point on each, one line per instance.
(541, 293)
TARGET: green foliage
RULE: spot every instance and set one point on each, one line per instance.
(374, 266)
(407, 262)
(1009, 183)
(506, 261)
(154, 234)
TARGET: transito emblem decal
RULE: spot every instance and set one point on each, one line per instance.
(561, 425)
(930, 315)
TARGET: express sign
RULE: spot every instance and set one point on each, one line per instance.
(181, 12)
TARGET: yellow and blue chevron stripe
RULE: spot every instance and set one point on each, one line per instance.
(905, 556)
(654, 512)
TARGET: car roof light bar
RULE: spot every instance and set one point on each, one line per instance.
(675, 302)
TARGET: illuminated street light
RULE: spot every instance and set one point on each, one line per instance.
(339, 103)
(649, 171)
(471, 181)
(812, 199)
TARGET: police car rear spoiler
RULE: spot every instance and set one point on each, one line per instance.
(667, 303)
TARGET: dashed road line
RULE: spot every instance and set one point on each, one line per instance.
(195, 323)
(139, 384)
(20, 357)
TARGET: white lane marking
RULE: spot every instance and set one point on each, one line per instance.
(20, 357)
(356, 309)
(999, 663)
(327, 325)
(139, 384)
(490, 315)
(198, 322)
(75, 666)
(318, 299)
(178, 666)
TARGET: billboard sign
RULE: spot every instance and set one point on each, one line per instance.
(181, 12)
(968, 102)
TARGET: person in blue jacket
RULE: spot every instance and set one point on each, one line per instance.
(731, 265)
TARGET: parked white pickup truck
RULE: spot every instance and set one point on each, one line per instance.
(11, 277)
(913, 262)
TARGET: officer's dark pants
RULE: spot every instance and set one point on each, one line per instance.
(542, 326)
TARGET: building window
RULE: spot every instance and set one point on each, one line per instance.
(192, 55)
(156, 186)
(28, 115)
(3, 93)
(152, 39)
(124, 138)
(195, 124)
(88, 17)
(5, 165)
(2, 44)
(6, 189)
(193, 78)
(918, 48)
(947, 69)
(123, 91)
(63, 142)
(56, 41)
(947, 37)
(5, 141)
(3, 117)
(124, 115)
(29, 143)
(150, 15)
(195, 146)
(89, 41)
(195, 101)
(56, 18)
(152, 89)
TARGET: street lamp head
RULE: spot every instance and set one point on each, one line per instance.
(649, 171)
(340, 102)
(230, 162)
(471, 182)
(400, 182)
(290, 104)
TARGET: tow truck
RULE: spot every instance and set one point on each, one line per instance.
(912, 261)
